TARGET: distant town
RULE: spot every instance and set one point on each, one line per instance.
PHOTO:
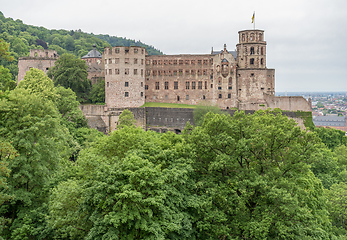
(329, 109)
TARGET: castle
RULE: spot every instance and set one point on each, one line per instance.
(230, 79)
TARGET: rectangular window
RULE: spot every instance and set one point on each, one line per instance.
(148, 72)
(156, 85)
(116, 71)
(154, 72)
(180, 71)
(126, 50)
(108, 84)
(205, 72)
(166, 62)
(175, 85)
(205, 84)
(186, 62)
(126, 71)
(141, 94)
(199, 72)
(166, 85)
(187, 97)
(141, 72)
(116, 60)
(135, 71)
(219, 88)
(146, 87)
(126, 60)
(135, 60)
(117, 50)
(187, 72)
(126, 94)
(110, 71)
(175, 72)
(110, 61)
(229, 95)
(165, 99)
(141, 84)
(135, 50)
(187, 85)
(170, 62)
(174, 62)
(200, 85)
(193, 85)
(192, 62)
(154, 62)
(199, 62)
(230, 87)
(159, 73)
(126, 84)
(159, 62)
(211, 85)
(205, 62)
(180, 62)
(192, 72)
(141, 61)
(219, 95)
(148, 62)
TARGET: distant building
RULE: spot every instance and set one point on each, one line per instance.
(331, 121)
(95, 65)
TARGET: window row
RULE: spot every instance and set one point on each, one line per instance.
(126, 61)
(180, 72)
(251, 61)
(126, 71)
(187, 97)
(253, 52)
(126, 94)
(180, 62)
(126, 50)
(126, 84)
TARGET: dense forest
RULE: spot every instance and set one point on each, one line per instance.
(23, 37)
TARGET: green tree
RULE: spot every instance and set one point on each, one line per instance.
(71, 72)
(6, 82)
(97, 94)
(331, 137)
(126, 118)
(253, 171)
(202, 109)
(32, 124)
(4, 50)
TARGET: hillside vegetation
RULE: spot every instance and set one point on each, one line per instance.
(23, 37)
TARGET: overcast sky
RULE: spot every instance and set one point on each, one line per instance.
(305, 38)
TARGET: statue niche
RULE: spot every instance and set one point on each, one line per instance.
(225, 68)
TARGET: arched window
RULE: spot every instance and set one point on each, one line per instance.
(251, 61)
(252, 50)
(262, 61)
(230, 81)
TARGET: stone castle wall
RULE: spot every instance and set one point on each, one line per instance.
(124, 76)
(38, 58)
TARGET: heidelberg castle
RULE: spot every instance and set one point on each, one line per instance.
(230, 79)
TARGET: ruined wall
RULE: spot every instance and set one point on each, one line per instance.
(175, 118)
(38, 58)
(112, 117)
(96, 116)
(289, 103)
(124, 76)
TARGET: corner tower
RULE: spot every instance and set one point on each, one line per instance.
(251, 49)
(255, 82)
(124, 76)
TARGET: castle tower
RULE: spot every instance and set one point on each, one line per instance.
(41, 59)
(251, 49)
(124, 76)
(255, 82)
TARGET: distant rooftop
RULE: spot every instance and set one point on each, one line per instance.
(329, 121)
(93, 53)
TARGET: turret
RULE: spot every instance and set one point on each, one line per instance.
(251, 49)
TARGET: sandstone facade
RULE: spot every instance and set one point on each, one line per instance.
(38, 58)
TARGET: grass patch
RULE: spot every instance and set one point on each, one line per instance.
(167, 105)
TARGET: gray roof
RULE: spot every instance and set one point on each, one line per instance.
(234, 53)
(93, 53)
(329, 121)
